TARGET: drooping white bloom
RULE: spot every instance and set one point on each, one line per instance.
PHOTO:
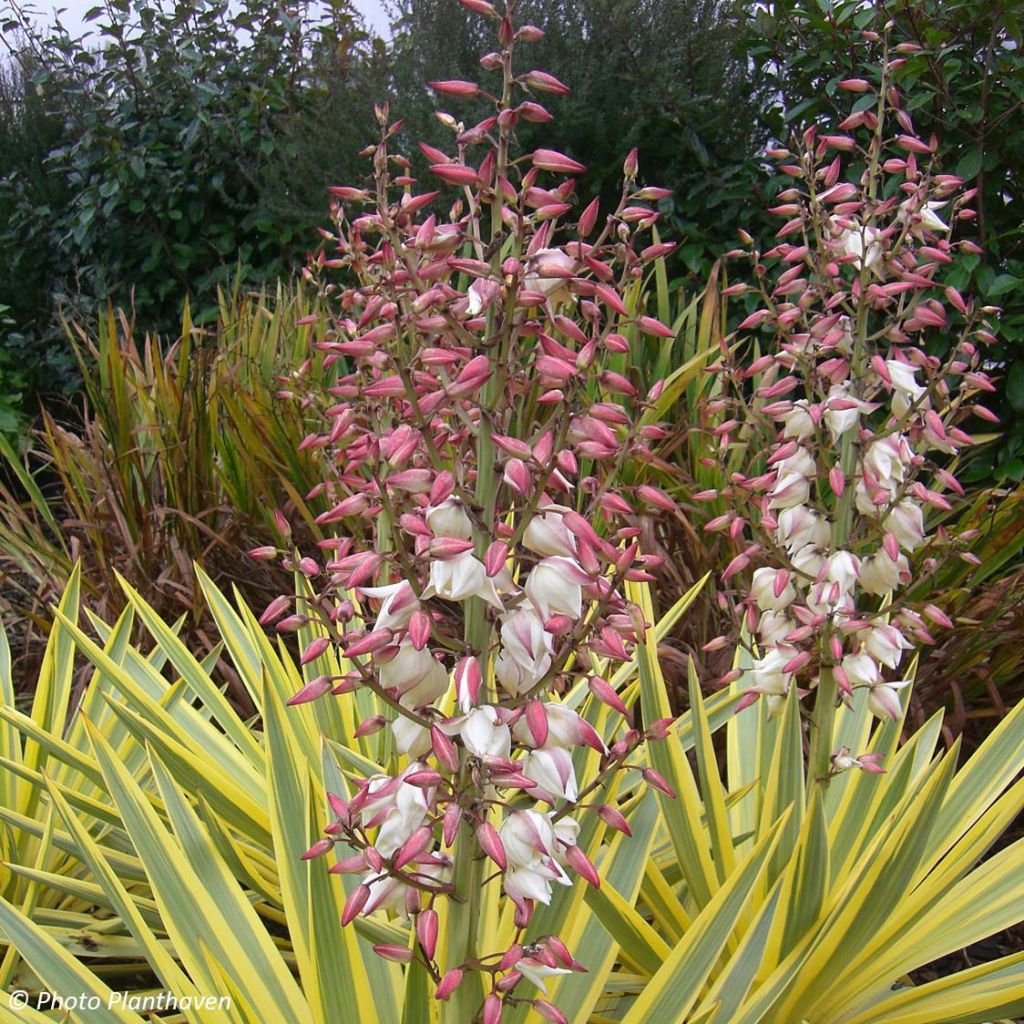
(548, 535)
(842, 410)
(404, 809)
(449, 519)
(460, 578)
(861, 670)
(800, 526)
(484, 734)
(886, 644)
(905, 388)
(790, 490)
(884, 700)
(807, 562)
(526, 648)
(774, 627)
(555, 587)
(418, 676)
(844, 568)
(565, 728)
(537, 971)
(797, 422)
(769, 679)
(865, 244)
(763, 587)
(551, 768)
(544, 273)
(411, 738)
(398, 604)
(879, 574)
(906, 523)
(529, 842)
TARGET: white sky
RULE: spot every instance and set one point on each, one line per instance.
(371, 10)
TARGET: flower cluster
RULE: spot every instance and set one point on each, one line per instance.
(859, 414)
(473, 444)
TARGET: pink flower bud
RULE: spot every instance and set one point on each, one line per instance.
(369, 726)
(451, 980)
(543, 82)
(492, 1009)
(652, 326)
(311, 691)
(400, 954)
(854, 85)
(314, 649)
(450, 824)
(318, 849)
(455, 174)
(583, 866)
(606, 694)
(376, 640)
(549, 1011)
(354, 904)
(426, 932)
(495, 557)
(657, 781)
(537, 722)
(552, 160)
(490, 842)
(444, 749)
(611, 817)
(631, 164)
(456, 87)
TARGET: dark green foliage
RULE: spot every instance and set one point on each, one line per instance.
(963, 80)
(170, 153)
(666, 76)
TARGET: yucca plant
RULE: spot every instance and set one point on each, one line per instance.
(154, 842)
(182, 454)
(776, 900)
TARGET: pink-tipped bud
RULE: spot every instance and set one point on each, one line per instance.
(649, 325)
(456, 87)
(419, 629)
(275, 610)
(938, 616)
(354, 904)
(495, 558)
(450, 982)
(426, 932)
(445, 751)
(837, 481)
(583, 866)
(311, 691)
(537, 722)
(318, 849)
(369, 726)
(444, 484)
(543, 82)
(854, 85)
(468, 680)
(450, 824)
(492, 1009)
(416, 844)
(314, 649)
(613, 818)
(588, 218)
(490, 842)
(263, 554)
(559, 163)
(549, 1011)
(631, 164)
(657, 781)
(606, 694)
(374, 641)
(390, 951)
